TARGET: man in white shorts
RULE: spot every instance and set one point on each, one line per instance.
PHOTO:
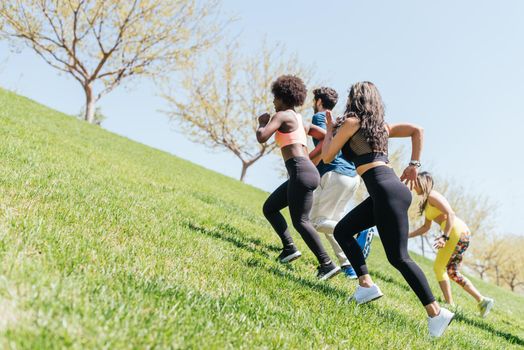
(338, 183)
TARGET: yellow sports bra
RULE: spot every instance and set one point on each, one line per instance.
(297, 136)
(432, 212)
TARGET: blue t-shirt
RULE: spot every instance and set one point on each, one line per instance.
(339, 164)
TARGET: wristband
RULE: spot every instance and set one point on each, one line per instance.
(446, 238)
(415, 163)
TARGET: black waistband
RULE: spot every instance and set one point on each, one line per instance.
(296, 160)
(370, 158)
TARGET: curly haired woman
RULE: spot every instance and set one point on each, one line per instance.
(452, 244)
(297, 192)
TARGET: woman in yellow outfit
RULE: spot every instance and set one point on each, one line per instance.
(451, 245)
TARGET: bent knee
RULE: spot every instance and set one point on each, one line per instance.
(338, 232)
(267, 209)
(440, 273)
(398, 262)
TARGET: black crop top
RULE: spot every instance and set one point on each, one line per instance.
(358, 151)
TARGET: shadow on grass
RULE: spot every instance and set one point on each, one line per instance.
(323, 287)
(237, 238)
(256, 241)
(331, 291)
(488, 328)
(383, 277)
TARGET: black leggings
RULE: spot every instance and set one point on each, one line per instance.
(387, 208)
(297, 194)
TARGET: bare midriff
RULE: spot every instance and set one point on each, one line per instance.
(294, 150)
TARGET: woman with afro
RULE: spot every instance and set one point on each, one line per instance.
(297, 192)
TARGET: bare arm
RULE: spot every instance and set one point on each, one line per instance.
(417, 137)
(421, 230)
(409, 130)
(317, 133)
(267, 126)
(316, 154)
(333, 144)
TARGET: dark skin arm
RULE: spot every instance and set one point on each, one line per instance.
(268, 125)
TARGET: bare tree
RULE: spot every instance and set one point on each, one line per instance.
(102, 43)
(512, 266)
(486, 252)
(223, 99)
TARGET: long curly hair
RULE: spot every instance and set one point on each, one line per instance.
(425, 181)
(365, 103)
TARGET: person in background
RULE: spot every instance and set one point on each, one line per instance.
(338, 184)
(451, 245)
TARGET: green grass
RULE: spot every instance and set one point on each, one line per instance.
(106, 243)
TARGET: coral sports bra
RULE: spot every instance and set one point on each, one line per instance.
(297, 136)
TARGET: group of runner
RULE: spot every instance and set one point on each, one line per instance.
(322, 182)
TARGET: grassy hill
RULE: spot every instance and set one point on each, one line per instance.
(107, 243)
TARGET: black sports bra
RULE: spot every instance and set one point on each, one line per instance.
(358, 151)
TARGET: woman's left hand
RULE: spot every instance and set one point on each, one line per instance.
(439, 243)
(263, 119)
(409, 176)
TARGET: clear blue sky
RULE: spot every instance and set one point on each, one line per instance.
(455, 67)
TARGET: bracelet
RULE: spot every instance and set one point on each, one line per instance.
(415, 163)
(446, 238)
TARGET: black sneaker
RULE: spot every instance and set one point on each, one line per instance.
(289, 253)
(327, 271)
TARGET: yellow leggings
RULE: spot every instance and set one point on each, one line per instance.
(449, 257)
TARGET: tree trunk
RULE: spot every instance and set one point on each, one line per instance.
(497, 275)
(244, 170)
(422, 245)
(89, 115)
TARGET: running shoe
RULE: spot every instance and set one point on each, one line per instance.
(485, 306)
(349, 272)
(289, 253)
(327, 271)
(438, 324)
(364, 239)
(366, 294)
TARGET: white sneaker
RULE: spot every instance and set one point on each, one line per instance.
(364, 295)
(438, 324)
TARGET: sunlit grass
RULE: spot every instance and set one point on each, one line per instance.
(106, 243)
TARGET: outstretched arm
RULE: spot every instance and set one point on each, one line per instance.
(421, 230)
(267, 126)
(416, 133)
(333, 144)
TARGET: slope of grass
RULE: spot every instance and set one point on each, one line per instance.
(106, 243)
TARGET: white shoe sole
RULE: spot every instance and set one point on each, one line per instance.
(369, 298)
(443, 328)
(330, 274)
(291, 257)
(488, 309)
